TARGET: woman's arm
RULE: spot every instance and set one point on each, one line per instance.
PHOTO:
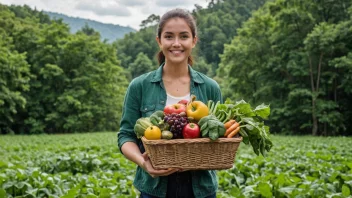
(127, 139)
(131, 152)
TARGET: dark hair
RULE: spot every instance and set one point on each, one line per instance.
(180, 13)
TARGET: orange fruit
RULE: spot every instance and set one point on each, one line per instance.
(152, 133)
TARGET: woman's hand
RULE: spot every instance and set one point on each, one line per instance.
(147, 166)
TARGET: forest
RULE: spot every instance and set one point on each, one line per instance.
(294, 55)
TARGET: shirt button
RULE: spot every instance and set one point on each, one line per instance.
(145, 109)
(162, 102)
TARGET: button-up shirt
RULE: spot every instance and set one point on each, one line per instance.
(145, 95)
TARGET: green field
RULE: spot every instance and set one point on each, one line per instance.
(90, 165)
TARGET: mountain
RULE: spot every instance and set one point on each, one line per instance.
(110, 32)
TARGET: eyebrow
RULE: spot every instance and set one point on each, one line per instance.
(173, 33)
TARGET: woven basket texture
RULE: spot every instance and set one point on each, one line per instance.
(192, 154)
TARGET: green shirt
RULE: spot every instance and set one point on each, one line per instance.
(147, 94)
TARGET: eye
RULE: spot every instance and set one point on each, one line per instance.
(168, 36)
(184, 36)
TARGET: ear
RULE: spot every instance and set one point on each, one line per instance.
(158, 41)
(195, 40)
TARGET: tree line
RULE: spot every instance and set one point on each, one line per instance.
(297, 56)
(292, 54)
(55, 82)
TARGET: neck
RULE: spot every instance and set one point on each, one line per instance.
(175, 70)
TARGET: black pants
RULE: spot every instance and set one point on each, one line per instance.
(179, 185)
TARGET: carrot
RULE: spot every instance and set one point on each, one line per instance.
(229, 123)
(231, 128)
(234, 132)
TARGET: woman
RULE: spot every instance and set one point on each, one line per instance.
(172, 81)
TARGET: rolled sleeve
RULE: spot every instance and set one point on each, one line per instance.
(219, 95)
(130, 114)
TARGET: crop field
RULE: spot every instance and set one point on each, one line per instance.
(90, 165)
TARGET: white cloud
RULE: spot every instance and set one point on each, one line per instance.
(174, 3)
(132, 3)
(122, 12)
(107, 9)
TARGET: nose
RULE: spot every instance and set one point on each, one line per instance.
(176, 43)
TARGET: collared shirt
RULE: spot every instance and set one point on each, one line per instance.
(145, 95)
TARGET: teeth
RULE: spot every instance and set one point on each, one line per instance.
(176, 52)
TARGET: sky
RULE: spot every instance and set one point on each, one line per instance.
(122, 12)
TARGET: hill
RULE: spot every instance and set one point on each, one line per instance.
(110, 32)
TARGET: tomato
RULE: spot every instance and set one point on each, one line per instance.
(174, 108)
(152, 133)
(197, 110)
(191, 130)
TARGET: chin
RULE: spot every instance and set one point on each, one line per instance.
(177, 62)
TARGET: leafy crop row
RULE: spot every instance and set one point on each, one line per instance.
(90, 165)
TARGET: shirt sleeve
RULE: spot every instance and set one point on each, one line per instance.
(130, 114)
(217, 96)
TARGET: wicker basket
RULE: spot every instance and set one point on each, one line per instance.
(192, 154)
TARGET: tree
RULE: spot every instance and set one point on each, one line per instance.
(88, 30)
(218, 24)
(14, 80)
(52, 81)
(14, 74)
(141, 65)
(288, 54)
(135, 43)
(152, 20)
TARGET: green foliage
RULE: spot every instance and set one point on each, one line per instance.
(133, 44)
(288, 55)
(109, 32)
(202, 66)
(142, 64)
(26, 12)
(64, 166)
(53, 81)
(218, 24)
(296, 167)
(90, 165)
(294, 55)
(14, 72)
(14, 75)
(152, 20)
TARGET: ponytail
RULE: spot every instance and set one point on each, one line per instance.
(190, 60)
(161, 58)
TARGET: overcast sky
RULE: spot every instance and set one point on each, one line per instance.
(122, 12)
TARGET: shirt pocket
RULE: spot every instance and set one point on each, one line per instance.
(147, 110)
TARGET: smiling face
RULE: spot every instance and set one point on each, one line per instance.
(176, 41)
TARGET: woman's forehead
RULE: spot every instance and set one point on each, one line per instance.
(176, 25)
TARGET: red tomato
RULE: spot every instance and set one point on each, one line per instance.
(191, 130)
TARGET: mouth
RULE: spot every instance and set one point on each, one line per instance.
(176, 52)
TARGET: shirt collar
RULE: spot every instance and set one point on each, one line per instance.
(194, 75)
